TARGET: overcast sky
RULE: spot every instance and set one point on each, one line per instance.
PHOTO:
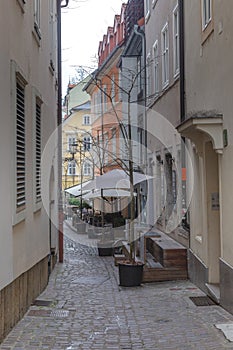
(83, 24)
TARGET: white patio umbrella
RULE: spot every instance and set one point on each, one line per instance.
(118, 178)
(110, 192)
(79, 189)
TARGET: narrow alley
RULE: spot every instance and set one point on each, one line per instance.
(87, 309)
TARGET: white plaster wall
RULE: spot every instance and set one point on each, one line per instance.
(25, 244)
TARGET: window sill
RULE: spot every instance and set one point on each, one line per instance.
(165, 85)
(51, 67)
(37, 34)
(21, 4)
(176, 74)
(147, 16)
(154, 2)
(19, 217)
(37, 206)
(207, 31)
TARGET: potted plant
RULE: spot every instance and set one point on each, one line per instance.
(131, 269)
(106, 242)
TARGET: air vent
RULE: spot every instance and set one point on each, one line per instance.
(202, 301)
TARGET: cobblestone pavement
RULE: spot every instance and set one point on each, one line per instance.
(90, 311)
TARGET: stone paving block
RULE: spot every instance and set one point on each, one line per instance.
(94, 313)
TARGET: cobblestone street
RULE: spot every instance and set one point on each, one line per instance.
(90, 311)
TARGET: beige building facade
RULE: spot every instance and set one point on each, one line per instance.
(28, 70)
(208, 128)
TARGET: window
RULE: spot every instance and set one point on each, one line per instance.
(86, 143)
(37, 148)
(176, 54)
(86, 169)
(38, 152)
(71, 141)
(20, 147)
(86, 120)
(37, 5)
(139, 73)
(18, 102)
(148, 74)
(52, 36)
(147, 8)
(71, 168)
(206, 13)
(113, 89)
(165, 56)
(104, 98)
(114, 148)
(156, 67)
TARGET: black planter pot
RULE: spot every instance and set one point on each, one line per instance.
(105, 249)
(130, 275)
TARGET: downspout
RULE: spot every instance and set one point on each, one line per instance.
(182, 60)
(141, 33)
(182, 98)
(59, 122)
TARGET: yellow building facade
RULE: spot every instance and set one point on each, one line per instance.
(76, 138)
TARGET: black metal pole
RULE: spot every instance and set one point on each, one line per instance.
(182, 60)
(59, 121)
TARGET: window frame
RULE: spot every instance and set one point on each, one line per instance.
(205, 20)
(176, 46)
(165, 55)
(206, 26)
(17, 75)
(71, 139)
(22, 4)
(113, 89)
(36, 101)
(71, 168)
(85, 118)
(147, 10)
(86, 143)
(37, 19)
(148, 75)
(156, 66)
(87, 165)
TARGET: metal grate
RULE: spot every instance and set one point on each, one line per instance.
(202, 301)
(39, 313)
(60, 313)
(42, 302)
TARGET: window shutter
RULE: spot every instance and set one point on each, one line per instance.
(38, 152)
(20, 147)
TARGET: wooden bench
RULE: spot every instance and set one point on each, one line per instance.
(166, 251)
(170, 257)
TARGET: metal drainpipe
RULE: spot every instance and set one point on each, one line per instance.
(181, 5)
(182, 61)
(59, 122)
(141, 33)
